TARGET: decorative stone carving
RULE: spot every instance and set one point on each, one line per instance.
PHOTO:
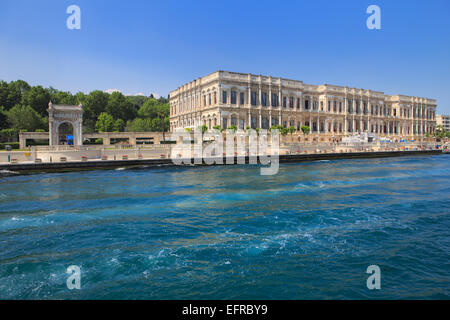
(59, 114)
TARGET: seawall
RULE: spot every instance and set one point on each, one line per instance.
(111, 164)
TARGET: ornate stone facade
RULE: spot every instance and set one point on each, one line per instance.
(246, 100)
(58, 115)
(444, 121)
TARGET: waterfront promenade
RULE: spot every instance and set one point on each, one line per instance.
(28, 167)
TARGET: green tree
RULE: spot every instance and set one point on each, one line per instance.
(203, 128)
(105, 123)
(119, 125)
(62, 97)
(163, 114)
(305, 129)
(38, 98)
(25, 118)
(93, 104)
(149, 109)
(11, 94)
(291, 130)
(3, 118)
(120, 107)
(139, 125)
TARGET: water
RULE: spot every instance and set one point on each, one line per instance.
(309, 232)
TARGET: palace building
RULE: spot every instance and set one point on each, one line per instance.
(245, 100)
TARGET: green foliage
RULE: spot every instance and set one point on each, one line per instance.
(105, 123)
(291, 129)
(25, 118)
(120, 107)
(38, 98)
(232, 128)
(305, 129)
(284, 131)
(119, 125)
(203, 128)
(11, 94)
(14, 145)
(218, 128)
(139, 113)
(187, 130)
(149, 109)
(3, 118)
(40, 130)
(139, 125)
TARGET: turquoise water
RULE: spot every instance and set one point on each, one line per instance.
(309, 232)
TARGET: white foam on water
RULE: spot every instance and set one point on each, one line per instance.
(6, 172)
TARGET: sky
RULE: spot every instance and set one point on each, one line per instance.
(156, 46)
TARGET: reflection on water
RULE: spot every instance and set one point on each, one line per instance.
(229, 233)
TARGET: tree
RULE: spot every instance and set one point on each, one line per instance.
(163, 112)
(11, 94)
(3, 118)
(291, 130)
(38, 98)
(305, 129)
(62, 97)
(93, 104)
(280, 128)
(25, 118)
(149, 109)
(139, 125)
(120, 107)
(119, 125)
(203, 128)
(105, 123)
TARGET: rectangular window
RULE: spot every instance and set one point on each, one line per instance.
(215, 97)
(335, 106)
(307, 104)
(264, 99)
(241, 98)
(284, 124)
(274, 100)
(209, 98)
(329, 106)
(253, 122)
(224, 97)
(253, 98)
(298, 103)
(284, 102)
(233, 97)
(291, 102)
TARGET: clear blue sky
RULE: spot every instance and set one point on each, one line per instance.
(156, 46)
